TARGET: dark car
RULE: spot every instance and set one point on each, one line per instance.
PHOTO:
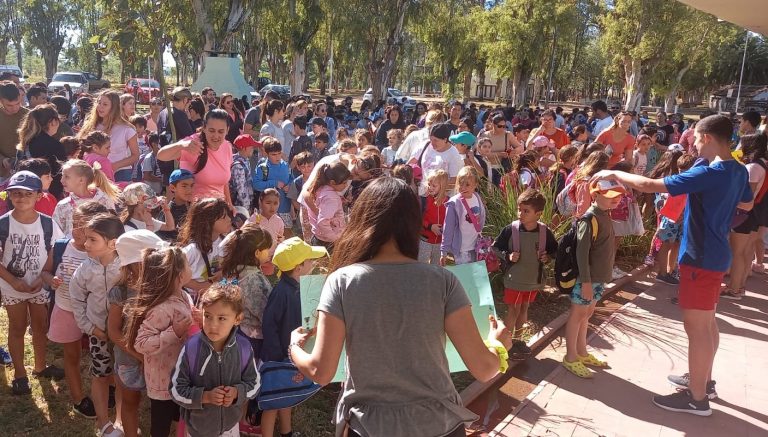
(95, 82)
(283, 91)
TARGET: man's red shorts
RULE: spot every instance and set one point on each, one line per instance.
(699, 288)
(516, 297)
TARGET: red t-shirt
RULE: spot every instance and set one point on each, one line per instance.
(559, 137)
(615, 149)
(46, 204)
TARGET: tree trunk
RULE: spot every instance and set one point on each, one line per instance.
(634, 88)
(467, 94)
(498, 94)
(51, 57)
(380, 68)
(519, 81)
(99, 64)
(17, 44)
(4, 48)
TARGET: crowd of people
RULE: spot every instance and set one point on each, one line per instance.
(170, 246)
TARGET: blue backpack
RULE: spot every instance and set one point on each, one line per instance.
(283, 386)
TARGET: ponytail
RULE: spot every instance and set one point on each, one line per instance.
(95, 138)
(327, 173)
(103, 183)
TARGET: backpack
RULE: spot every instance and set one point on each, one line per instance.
(45, 221)
(760, 208)
(264, 177)
(283, 386)
(566, 266)
(59, 247)
(138, 172)
(565, 201)
(516, 237)
(194, 344)
(483, 245)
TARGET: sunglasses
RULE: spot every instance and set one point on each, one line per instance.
(501, 126)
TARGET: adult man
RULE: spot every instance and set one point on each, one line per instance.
(750, 121)
(209, 97)
(715, 187)
(252, 122)
(11, 116)
(665, 129)
(418, 138)
(37, 96)
(438, 154)
(559, 120)
(604, 119)
(454, 115)
(180, 101)
(63, 108)
(548, 129)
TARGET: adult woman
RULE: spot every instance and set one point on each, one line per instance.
(419, 112)
(548, 130)
(394, 120)
(467, 124)
(155, 107)
(196, 113)
(227, 103)
(106, 116)
(127, 106)
(502, 143)
(618, 142)
(208, 155)
(375, 278)
(37, 140)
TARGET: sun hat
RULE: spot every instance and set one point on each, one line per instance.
(677, 147)
(139, 192)
(130, 245)
(540, 141)
(608, 188)
(294, 251)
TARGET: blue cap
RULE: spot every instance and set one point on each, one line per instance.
(25, 180)
(179, 175)
(464, 138)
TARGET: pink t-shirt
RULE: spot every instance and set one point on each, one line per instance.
(104, 162)
(119, 136)
(615, 149)
(214, 177)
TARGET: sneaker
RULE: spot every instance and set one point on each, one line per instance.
(50, 372)
(758, 268)
(618, 273)
(683, 402)
(667, 279)
(676, 274)
(674, 300)
(519, 350)
(682, 381)
(85, 408)
(730, 294)
(111, 403)
(5, 357)
(20, 386)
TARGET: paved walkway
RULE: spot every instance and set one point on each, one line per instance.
(644, 342)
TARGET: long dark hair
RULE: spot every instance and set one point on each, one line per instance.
(198, 227)
(386, 209)
(754, 146)
(214, 114)
(240, 249)
(666, 166)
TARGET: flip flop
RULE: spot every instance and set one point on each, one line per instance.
(578, 369)
(591, 360)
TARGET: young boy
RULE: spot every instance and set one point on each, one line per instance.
(303, 162)
(294, 258)
(140, 124)
(181, 185)
(301, 142)
(321, 146)
(594, 257)
(150, 169)
(715, 187)
(520, 244)
(240, 181)
(273, 172)
(26, 238)
(42, 169)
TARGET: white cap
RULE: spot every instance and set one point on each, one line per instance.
(130, 244)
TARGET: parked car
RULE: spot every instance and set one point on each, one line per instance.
(94, 82)
(13, 69)
(142, 89)
(261, 82)
(76, 80)
(254, 94)
(283, 91)
(408, 103)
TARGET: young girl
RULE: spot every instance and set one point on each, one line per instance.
(434, 217)
(158, 323)
(595, 162)
(83, 183)
(326, 215)
(128, 362)
(485, 158)
(526, 167)
(669, 231)
(139, 199)
(63, 328)
(212, 396)
(95, 147)
(394, 139)
(88, 290)
(406, 173)
(200, 236)
(566, 161)
(464, 220)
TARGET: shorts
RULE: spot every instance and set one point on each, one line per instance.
(748, 226)
(132, 376)
(597, 293)
(63, 328)
(101, 357)
(669, 231)
(516, 297)
(42, 298)
(699, 288)
(287, 219)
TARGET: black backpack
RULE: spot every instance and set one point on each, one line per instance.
(566, 266)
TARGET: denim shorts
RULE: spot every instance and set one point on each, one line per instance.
(597, 292)
(132, 377)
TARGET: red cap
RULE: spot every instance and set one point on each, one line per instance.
(244, 141)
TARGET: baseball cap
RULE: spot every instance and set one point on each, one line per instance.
(607, 188)
(181, 92)
(130, 244)
(139, 192)
(465, 138)
(441, 131)
(294, 251)
(25, 180)
(677, 147)
(540, 141)
(180, 174)
(245, 141)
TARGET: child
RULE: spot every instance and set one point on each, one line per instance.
(83, 183)
(363, 138)
(88, 290)
(294, 258)
(640, 154)
(715, 187)
(149, 168)
(212, 397)
(485, 159)
(63, 328)
(128, 362)
(669, 231)
(94, 148)
(566, 161)
(39, 166)
(245, 250)
(273, 172)
(325, 211)
(406, 173)
(464, 220)
(321, 146)
(303, 163)
(26, 242)
(200, 237)
(267, 219)
(434, 217)
(157, 327)
(139, 200)
(71, 147)
(594, 257)
(526, 167)
(543, 147)
(394, 139)
(140, 124)
(181, 184)
(301, 142)
(240, 182)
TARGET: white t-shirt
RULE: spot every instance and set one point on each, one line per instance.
(415, 140)
(118, 139)
(602, 125)
(467, 228)
(641, 162)
(448, 160)
(756, 175)
(24, 253)
(150, 165)
(197, 263)
(70, 261)
(388, 155)
(139, 224)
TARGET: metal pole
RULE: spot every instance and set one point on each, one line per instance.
(741, 76)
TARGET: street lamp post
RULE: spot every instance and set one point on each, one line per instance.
(741, 76)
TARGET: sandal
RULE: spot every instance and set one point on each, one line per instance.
(114, 433)
(577, 368)
(729, 293)
(591, 360)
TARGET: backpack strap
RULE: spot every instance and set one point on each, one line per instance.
(421, 155)
(5, 228)
(207, 265)
(130, 224)
(542, 238)
(59, 247)
(516, 236)
(47, 224)
(245, 351)
(264, 171)
(192, 351)
(471, 214)
(592, 223)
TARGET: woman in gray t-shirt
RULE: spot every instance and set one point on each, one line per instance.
(393, 314)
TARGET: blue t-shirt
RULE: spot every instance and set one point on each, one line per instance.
(279, 172)
(713, 192)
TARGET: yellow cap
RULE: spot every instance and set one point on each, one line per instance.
(294, 251)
